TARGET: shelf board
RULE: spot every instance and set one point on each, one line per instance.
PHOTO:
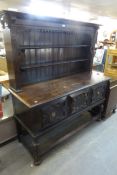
(51, 46)
(50, 64)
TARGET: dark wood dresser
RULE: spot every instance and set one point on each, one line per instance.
(51, 78)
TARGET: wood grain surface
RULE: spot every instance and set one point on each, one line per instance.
(39, 93)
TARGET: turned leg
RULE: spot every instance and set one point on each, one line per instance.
(101, 111)
(36, 155)
(97, 111)
(114, 110)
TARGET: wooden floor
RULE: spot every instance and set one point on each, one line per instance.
(92, 151)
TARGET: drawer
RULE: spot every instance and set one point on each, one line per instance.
(53, 113)
(98, 92)
(79, 101)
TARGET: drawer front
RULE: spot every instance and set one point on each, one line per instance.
(53, 113)
(98, 92)
(73, 103)
(79, 101)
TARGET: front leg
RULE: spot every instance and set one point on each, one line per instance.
(36, 155)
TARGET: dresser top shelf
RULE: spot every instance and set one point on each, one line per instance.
(40, 93)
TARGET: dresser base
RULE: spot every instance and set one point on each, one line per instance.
(49, 138)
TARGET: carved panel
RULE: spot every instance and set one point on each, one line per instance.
(77, 101)
(53, 113)
(98, 92)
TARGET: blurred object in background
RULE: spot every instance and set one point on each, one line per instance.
(113, 36)
(98, 55)
(1, 111)
(2, 49)
(111, 63)
(3, 65)
(2, 52)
